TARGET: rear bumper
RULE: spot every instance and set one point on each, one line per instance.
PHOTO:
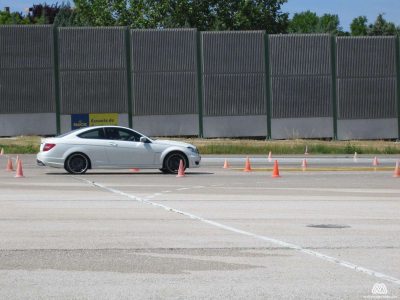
(40, 163)
(44, 160)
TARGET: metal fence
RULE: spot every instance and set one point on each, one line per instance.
(211, 84)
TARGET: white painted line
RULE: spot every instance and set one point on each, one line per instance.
(322, 256)
(183, 189)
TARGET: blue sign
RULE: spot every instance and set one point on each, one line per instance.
(79, 121)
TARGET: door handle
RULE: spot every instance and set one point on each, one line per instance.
(113, 144)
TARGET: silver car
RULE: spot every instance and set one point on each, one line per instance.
(117, 148)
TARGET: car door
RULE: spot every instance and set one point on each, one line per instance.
(94, 144)
(125, 149)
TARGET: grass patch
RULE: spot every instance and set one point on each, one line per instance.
(30, 144)
(227, 146)
(20, 145)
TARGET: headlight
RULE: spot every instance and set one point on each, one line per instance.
(193, 149)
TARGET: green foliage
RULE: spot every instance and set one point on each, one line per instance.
(200, 14)
(350, 149)
(204, 15)
(309, 22)
(382, 27)
(391, 150)
(359, 27)
(305, 22)
(329, 24)
(67, 17)
(7, 18)
(20, 149)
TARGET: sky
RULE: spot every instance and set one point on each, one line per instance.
(347, 10)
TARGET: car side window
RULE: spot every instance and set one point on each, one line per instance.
(127, 135)
(122, 134)
(93, 134)
(112, 133)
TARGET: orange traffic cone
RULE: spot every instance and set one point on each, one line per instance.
(306, 151)
(247, 166)
(181, 170)
(135, 169)
(375, 162)
(396, 170)
(20, 173)
(270, 156)
(9, 167)
(226, 164)
(275, 172)
(1, 152)
(304, 164)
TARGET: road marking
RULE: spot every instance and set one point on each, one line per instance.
(183, 189)
(322, 169)
(322, 256)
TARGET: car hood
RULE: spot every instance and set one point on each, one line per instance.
(172, 143)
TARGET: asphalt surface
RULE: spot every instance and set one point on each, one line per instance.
(330, 232)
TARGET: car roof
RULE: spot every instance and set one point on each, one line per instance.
(84, 129)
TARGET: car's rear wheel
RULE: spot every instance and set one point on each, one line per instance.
(77, 163)
(171, 162)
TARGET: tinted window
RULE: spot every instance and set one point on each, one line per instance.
(121, 134)
(93, 134)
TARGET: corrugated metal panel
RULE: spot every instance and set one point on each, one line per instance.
(364, 98)
(26, 91)
(166, 50)
(26, 46)
(301, 97)
(234, 94)
(165, 93)
(366, 56)
(300, 55)
(92, 48)
(233, 52)
(93, 92)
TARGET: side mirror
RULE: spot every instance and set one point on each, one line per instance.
(144, 140)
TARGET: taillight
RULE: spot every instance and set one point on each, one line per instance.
(48, 147)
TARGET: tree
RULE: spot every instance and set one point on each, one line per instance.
(7, 18)
(329, 24)
(304, 22)
(250, 15)
(201, 14)
(67, 17)
(96, 12)
(309, 22)
(382, 27)
(359, 26)
(43, 13)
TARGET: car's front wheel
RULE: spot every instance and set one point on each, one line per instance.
(77, 163)
(171, 162)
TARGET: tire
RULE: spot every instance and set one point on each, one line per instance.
(77, 163)
(171, 162)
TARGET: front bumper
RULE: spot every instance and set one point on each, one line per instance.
(194, 161)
